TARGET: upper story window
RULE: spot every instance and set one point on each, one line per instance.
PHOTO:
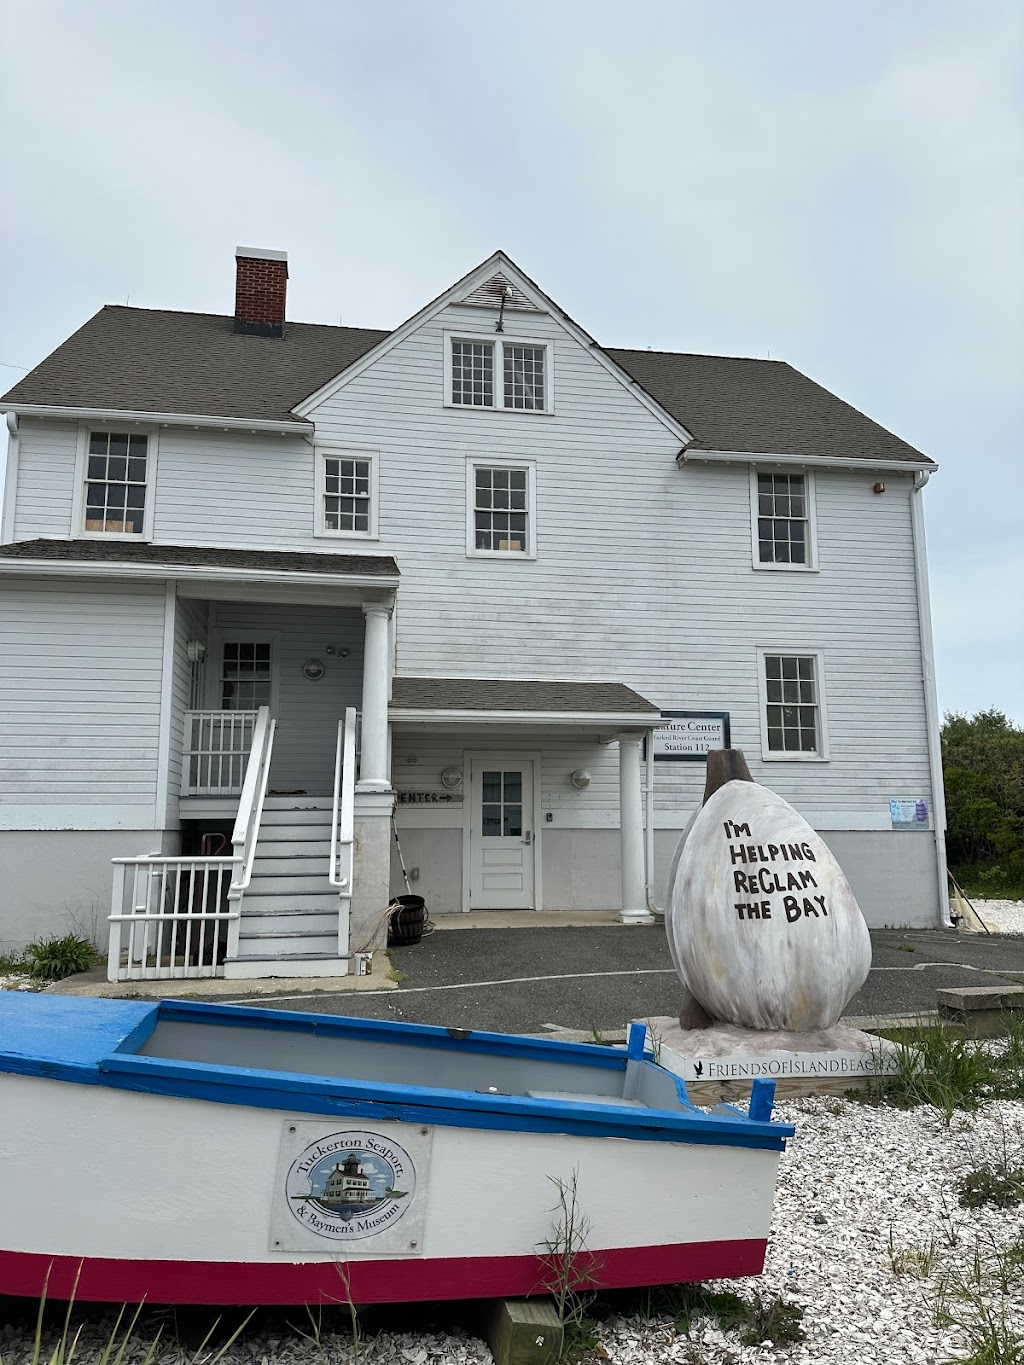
(792, 705)
(783, 520)
(346, 493)
(498, 373)
(114, 485)
(501, 507)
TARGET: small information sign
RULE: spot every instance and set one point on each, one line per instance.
(687, 736)
(908, 812)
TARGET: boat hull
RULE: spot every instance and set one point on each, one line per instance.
(112, 1195)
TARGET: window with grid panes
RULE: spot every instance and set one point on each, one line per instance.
(524, 376)
(500, 509)
(246, 675)
(501, 814)
(782, 519)
(473, 373)
(522, 368)
(346, 495)
(793, 713)
(115, 487)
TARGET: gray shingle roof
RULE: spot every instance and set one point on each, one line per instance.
(490, 694)
(759, 406)
(142, 360)
(148, 360)
(201, 557)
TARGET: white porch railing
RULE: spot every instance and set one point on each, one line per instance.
(166, 912)
(250, 813)
(216, 751)
(166, 916)
(343, 824)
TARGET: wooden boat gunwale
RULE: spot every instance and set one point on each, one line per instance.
(111, 1060)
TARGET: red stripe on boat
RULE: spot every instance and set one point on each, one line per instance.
(384, 1281)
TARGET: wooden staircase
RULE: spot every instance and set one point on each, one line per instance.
(289, 911)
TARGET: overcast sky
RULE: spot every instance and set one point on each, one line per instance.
(837, 182)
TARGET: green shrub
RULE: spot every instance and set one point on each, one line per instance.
(53, 959)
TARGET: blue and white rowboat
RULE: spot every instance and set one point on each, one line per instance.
(194, 1153)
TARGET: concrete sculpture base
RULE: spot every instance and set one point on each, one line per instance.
(720, 1062)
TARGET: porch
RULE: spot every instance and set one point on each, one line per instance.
(275, 754)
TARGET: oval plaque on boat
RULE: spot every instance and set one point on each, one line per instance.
(348, 1186)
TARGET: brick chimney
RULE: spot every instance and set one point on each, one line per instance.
(261, 284)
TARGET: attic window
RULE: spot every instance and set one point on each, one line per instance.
(523, 367)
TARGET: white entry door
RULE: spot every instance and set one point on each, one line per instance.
(501, 834)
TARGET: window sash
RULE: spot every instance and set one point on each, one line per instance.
(783, 519)
(792, 704)
(116, 478)
(472, 373)
(347, 494)
(501, 515)
(523, 376)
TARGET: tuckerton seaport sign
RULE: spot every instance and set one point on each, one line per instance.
(351, 1185)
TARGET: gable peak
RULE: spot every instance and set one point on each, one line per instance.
(490, 293)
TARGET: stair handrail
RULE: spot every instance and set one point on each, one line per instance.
(250, 803)
(344, 803)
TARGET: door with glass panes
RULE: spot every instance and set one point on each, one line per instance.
(501, 834)
(242, 675)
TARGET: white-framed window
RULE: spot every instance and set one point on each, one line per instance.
(114, 482)
(501, 508)
(783, 526)
(794, 722)
(242, 670)
(509, 373)
(346, 493)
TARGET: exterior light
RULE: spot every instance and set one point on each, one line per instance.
(581, 778)
(451, 778)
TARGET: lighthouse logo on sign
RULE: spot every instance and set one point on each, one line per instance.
(350, 1185)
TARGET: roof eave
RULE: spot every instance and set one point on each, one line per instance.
(296, 427)
(688, 455)
(119, 568)
(619, 720)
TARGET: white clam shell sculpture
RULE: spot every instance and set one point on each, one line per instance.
(762, 924)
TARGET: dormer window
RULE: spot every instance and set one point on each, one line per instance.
(114, 487)
(505, 372)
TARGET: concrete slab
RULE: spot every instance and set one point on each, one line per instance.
(526, 919)
(217, 988)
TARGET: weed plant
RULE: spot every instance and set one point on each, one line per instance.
(53, 959)
(934, 1065)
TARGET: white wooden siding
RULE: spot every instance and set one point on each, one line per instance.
(307, 712)
(46, 479)
(80, 674)
(643, 571)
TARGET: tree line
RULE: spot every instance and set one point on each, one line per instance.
(983, 767)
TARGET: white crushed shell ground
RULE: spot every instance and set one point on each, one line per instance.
(1001, 917)
(856, 1184)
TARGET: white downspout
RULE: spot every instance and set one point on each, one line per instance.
(10, 481)
(931, 700)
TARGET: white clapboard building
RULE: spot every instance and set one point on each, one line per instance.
(266, 584)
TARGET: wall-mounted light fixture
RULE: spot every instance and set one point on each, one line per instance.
(451, 778)
(879, 488)
(195, 651)
(581, 778)
(337, 651)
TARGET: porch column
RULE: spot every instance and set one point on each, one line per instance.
(631, 830)
(373, 762)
